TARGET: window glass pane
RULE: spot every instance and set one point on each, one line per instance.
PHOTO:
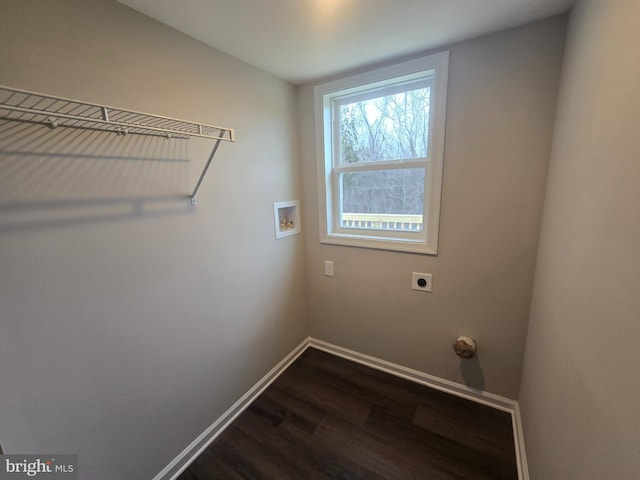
(391, 127)
(383, 199)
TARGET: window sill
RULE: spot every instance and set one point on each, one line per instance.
(391, 244)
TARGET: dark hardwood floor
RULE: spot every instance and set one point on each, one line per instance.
(329, 418)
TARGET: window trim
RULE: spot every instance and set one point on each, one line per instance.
(328, 208)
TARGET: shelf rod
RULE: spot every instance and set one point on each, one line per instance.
(195, 125)
(116, 124)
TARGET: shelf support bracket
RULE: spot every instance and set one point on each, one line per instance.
(206, 167)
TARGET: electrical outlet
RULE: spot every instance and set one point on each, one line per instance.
(422, 282)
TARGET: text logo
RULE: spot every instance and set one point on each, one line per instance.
(42, 467)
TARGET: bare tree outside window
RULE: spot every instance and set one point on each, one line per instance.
(387, 129)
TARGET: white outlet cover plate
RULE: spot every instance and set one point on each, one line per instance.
(428, 282)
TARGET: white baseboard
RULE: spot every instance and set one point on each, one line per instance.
(518, 434)
(189, 454)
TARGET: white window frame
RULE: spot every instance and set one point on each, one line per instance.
(433, 69)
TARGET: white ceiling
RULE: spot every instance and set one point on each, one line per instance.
(303, 40)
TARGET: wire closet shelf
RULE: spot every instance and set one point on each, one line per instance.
(32, 107)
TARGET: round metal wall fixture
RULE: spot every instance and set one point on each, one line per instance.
(465, 347)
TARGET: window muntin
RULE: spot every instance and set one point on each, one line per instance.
(380, 151)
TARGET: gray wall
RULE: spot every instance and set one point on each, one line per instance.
(130, 321)
(502, 96)
(580, 387)
(128, 326)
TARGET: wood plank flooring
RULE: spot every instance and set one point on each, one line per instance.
(329, 418)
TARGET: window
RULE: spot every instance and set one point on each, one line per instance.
(380, 152)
